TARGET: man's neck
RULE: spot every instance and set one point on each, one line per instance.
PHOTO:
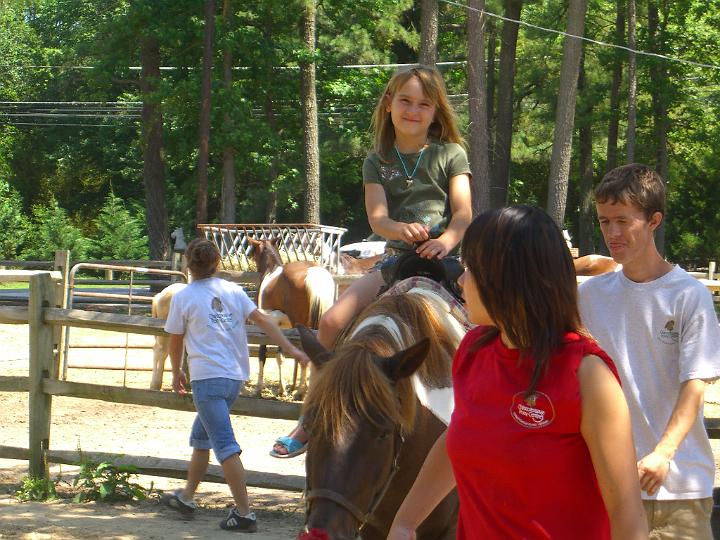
(647, 269)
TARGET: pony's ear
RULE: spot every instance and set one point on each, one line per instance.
(253, 242)
(275, 241)
(318, 354)
(405, 363)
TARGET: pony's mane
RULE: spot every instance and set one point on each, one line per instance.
(352, 385)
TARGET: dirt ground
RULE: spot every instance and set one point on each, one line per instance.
(133, 430)
(142, 431)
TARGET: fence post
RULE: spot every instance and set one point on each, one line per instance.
(62, 264)
(711, 270)
(42, 295)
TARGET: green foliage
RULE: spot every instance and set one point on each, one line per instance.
(36, 489)
(70, 175)
(107, 482)
(51, 229)
(119, 233)
(13, 222)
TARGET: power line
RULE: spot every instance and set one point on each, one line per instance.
(59, 125)
(589, 40)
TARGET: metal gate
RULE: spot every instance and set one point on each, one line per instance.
(300, 242)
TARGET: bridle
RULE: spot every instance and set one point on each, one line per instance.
(363, 518)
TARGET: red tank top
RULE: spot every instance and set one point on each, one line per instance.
(522, 467)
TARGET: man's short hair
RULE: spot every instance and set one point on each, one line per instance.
(634, 184)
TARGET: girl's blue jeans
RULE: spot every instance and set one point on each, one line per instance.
(213, 399)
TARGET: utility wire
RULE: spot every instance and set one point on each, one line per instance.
(589, 40)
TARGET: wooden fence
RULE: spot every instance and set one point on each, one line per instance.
(43, 317)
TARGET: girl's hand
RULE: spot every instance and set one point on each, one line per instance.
(398, 532)
(299, 355)
(432, 249)
(179, 382)
(413, 232)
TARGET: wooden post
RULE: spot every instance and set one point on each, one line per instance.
(711, 270)
(42, 295)
(62, 263)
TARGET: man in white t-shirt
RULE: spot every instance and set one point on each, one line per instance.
(659, 326)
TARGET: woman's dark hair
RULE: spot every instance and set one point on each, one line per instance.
(526, 279)
(202, 258)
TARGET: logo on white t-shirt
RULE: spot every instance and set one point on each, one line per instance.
(219, 317)
(668, 334)
(535, 411)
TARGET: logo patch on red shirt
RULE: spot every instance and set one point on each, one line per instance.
(535, 411)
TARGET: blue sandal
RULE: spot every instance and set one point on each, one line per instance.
(293, 447)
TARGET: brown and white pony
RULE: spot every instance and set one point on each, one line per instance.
(374, 410)
(594, 265)
(353, 266)
(298, 292)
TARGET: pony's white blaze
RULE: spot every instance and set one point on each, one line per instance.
(439, 401)
(271, 277)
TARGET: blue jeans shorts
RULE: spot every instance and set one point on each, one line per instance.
(212, 428)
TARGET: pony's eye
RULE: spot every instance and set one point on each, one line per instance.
(383, 436)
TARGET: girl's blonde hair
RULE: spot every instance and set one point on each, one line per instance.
(444, 125)
(202, 257)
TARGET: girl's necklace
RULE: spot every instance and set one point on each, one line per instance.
(410, 176)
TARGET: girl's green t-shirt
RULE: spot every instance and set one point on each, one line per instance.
(424, 197)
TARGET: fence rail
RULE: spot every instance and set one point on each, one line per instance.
(42, 382)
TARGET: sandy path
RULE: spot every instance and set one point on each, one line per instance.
(134, 430)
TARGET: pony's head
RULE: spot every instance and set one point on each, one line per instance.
(361, 407)
(265, 253)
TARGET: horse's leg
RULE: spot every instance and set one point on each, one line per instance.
(293, 386)
(262, 353)
(160, 352)
(280, 359)
(302, 387)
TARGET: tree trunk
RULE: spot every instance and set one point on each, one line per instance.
(565, 114)
(492, 35)
(504, 117)
(613, 126)
(156, 216)
(204, 129)
(271, 207)
(586, 243)
(428, 32)
(310, 120)
(478, 109)
(227, 198)
(632, 83)
(658, 78)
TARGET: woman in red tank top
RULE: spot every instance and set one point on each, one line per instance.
(539, 445)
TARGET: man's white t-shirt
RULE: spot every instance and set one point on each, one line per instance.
(660, 334)
(211, 313)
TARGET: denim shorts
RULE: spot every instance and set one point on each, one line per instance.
(212, 428)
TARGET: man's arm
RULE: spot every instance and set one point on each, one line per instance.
(654, 467)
